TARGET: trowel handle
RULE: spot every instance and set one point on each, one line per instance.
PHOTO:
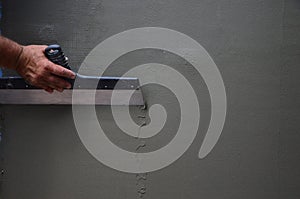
(55, 54)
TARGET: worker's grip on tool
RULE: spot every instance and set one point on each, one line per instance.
(55, 54)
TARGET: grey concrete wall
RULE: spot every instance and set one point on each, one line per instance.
(255, 44)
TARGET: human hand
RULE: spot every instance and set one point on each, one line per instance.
(38, 71)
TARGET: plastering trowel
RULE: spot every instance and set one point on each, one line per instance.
(89, 89)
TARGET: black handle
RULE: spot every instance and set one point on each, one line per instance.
(55, 54)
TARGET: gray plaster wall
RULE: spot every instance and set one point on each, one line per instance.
(255, 44)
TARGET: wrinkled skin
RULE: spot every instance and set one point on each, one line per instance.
(38, 71)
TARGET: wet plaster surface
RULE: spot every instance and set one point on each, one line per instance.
(254, 43)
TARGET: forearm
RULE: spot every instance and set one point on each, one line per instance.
(10, 52)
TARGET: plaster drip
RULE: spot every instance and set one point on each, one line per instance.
(141, 178)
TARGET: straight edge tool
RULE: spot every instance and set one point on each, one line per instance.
(89, 90)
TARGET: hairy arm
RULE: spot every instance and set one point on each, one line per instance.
(10, 53)
(31, 63)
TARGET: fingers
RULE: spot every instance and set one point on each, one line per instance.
(59, 71)
(54, 74)
(56, 82)
(50, 82)
(44, 86)
(49, 87)
(47, 81)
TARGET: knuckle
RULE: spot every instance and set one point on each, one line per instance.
(49, 78)
(52, 79)
(47, 67)
(62, 71)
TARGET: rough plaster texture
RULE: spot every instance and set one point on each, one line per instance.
(255, 44)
